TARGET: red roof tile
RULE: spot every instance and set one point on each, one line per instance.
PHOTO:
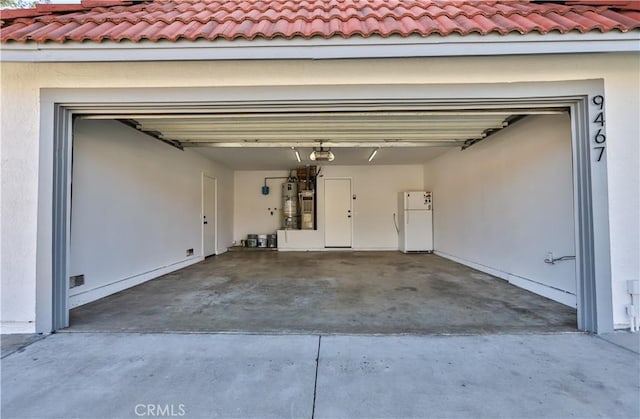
(119, 20)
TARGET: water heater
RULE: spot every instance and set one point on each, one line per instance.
(290, 206)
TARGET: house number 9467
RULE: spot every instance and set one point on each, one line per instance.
(599, 138)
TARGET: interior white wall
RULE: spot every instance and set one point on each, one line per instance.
(505, 202)
(136, 208)
(375, 187)
(20, 98)
(252, 209)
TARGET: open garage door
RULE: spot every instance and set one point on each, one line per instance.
(404, 134)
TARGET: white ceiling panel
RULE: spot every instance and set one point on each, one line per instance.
(284, 158)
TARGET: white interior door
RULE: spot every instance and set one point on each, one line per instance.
(338, 214)
(208, 215)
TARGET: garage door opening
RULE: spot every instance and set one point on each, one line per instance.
(490, 210)
(502, 202)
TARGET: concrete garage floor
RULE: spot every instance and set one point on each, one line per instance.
(124, 375)
(325, 293)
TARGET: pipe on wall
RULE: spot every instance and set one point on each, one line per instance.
(633, 309)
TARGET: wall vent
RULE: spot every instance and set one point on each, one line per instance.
(76, 281)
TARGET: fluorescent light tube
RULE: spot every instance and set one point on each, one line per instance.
(373, 154)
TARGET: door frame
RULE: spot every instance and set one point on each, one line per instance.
(58, 107)
(324, 204)
(215, 214)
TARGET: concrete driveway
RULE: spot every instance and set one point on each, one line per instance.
(121, 375)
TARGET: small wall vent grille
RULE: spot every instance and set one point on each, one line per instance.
(76, 281)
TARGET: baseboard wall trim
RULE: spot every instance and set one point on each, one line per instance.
(551, 293)
(622, 326)
(97, 293)
(14, 328)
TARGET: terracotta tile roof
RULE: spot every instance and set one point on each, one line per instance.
(120, 20)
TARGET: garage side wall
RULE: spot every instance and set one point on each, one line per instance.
(136, 208)
(505, 202)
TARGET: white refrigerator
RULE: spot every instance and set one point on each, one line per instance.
(415, 221)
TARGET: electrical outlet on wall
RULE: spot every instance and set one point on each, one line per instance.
(190, 252)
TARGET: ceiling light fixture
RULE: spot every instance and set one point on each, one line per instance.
(373, 154)
(297, 154)
(322, 154)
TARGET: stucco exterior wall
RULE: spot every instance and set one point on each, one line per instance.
(21, 84)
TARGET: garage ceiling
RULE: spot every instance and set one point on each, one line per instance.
(255, 158)
(267, 140)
